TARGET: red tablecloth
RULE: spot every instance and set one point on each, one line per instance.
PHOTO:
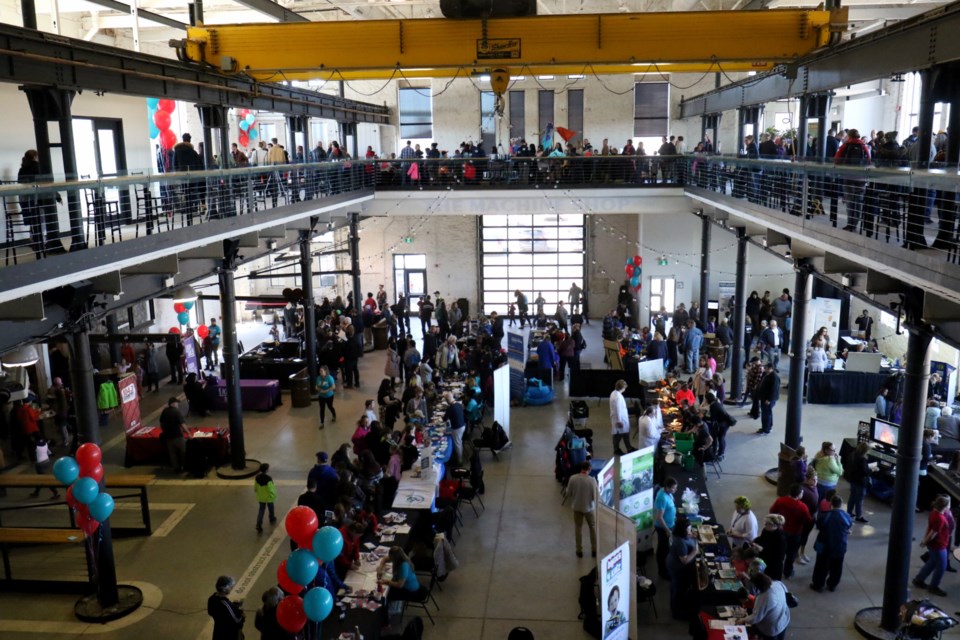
(255, 395)
(144, 446)
(717, 634)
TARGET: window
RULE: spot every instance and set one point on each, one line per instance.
(662, 294)
(544, 109)
(488, 120)
(651, 109)
(517, 116)
(537, 254)
(575, 114)
(416, 114)
(268, 131)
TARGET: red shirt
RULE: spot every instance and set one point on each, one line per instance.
(351, 549)
(28, 417)
(686, 395)
(795, 512)
(938, 522)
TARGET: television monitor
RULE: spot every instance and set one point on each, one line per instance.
(864, 362)
(884, 432)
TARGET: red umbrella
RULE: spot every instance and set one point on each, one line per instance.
(566, 134)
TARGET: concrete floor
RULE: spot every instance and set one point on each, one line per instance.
(517, 559)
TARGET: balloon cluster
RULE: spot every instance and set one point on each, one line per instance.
(160, 112)
(634, 269)
(82, 475)
(182, 310)
(248, 132)
(315, 544)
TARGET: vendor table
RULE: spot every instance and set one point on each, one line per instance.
(598, 383)
(211, 445)
(844, 387)
(369, 623)
(255, 367)
(256, 395)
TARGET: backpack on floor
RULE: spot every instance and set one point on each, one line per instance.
(589, 612)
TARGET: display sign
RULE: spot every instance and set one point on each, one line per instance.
(501, 397)
(498, 49)
(190, 356)
(650, 370)
(824, 312)
(607, 479)
(727, 292)
(129, 403)
(636, 491)
(615, 594)
(517, 359)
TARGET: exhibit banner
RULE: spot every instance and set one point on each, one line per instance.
(608, 481)
(824, 312)
(615, 593)
(129, 403)
(517, 359)
(727, 292)
(501, 397)
(636, 492)
(190, 355)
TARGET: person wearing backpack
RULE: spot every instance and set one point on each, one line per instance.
(853, 152)
(583, 493)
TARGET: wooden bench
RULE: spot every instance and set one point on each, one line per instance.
(20, 535)
(118, 481)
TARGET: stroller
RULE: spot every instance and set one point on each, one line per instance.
(579, 412)
(923, 620)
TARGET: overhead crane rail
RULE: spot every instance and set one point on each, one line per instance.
(598, 43)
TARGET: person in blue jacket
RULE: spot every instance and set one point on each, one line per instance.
(692, 340)
(547, 360)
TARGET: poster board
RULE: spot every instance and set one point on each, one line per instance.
(191, 356)
(517, 359)
(824, 312)
(651, 370)
(616, 594)
(727, 291)
(501, 397)
(607, 480)
(129, 403)
(635, 491)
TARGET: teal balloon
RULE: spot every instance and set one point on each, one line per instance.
(317, 604)
(635, 281)
(302, 567)
(154, 132)
(66, 470)
(183, 317)
(153, 103)
(244, 125)
(637, 271)
(327, 543)
(629, 261)
(253, 134)
(101, 507)
(188, 304)
(85, 490)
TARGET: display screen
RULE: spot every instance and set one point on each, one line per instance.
(885, 432)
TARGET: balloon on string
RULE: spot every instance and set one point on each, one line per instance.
(637, 270)
(178, 307)
(85, 490)
(327, 544)
(244, 139)
(154, 132)
(203, 331)
(87, 524)
(183, 317)
(283, 579)
(168, 106)
(290, 614)
(162, 120)
(175, 330)
(637, 260)
(153, 103)
(317, 604)
(167, 139)
(244, 125)
(301, 523)
(302, 566)
(66, 470)
(253, 134)
(88, 456)
(101, 507)
(96, 473)
(188, 304)
(71, 501)
(635, 281)
(628, 269)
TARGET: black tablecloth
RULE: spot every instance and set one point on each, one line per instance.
(368, 621)
(256, 368)
(598, 383)
(844, 387)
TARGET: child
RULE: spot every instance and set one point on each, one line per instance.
(42, 458)
(266, 493)
(395, 464)
(512, 314)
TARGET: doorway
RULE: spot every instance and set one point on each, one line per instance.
(101, 153)
(410, 275)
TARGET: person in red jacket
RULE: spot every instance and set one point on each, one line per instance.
(797, 517)
(349, 557)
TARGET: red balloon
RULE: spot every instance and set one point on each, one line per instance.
(167, 139)
(244, 139)
(71, 501)
(178, 307)
(88, 456)
(301, 524)
(290, 614)
(174, 330)
(628, 270)
(162, 120)
(167, 106)
(203, 331)
(637, 260)
(285, 582)
(89, 525)
(96, 473)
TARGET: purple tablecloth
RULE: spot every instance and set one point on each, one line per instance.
(256, 395)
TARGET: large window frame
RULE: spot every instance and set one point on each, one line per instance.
(415, 106)
(533, 253)
(651, 109)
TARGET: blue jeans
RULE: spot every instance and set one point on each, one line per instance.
(273, 516)
(855, 503)
(766, 416)
(691, 358)
(936, 564)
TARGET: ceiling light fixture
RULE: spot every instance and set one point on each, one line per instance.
(184, 293)
(21, 357)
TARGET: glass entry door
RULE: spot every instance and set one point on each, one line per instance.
(410, 276)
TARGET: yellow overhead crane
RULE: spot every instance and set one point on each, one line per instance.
(535, 45)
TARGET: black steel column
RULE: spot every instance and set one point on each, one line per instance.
(112, 330)
(309, 314)
(28, 10)
(78, 236)
(801, 147)
(705, 225)
(739, 318)
(84, 393)
(231, 357)
(928, 78)
(355, 257)
(953, 142)
(224, 135)
(901, 548)
(802, 291)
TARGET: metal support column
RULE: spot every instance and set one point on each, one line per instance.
(355, 258)
(802, 292)
(309, 314)
(739, 318)
(84, 393)
(112, 330)
(705, 226)
(879, 622)
(928, 98)
(78, 236)
(804, 110)
(293, 127)
(28, 10)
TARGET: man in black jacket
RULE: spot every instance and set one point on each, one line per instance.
(768, 392)
(186, 158)
(720, 423)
